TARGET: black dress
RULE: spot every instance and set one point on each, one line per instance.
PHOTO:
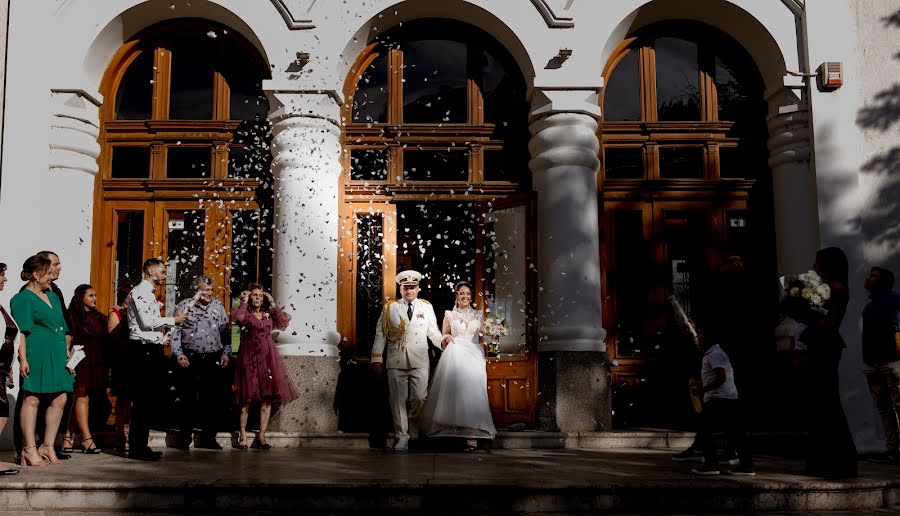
(6, 357)
(831, 452)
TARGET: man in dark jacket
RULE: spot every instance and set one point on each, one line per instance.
(881, 353)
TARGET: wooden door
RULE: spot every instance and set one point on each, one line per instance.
(651, 251)
(506, 284)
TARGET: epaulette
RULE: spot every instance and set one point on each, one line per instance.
(427, 302)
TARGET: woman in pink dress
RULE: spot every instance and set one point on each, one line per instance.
(259, 374)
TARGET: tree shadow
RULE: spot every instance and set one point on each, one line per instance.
(882, 172)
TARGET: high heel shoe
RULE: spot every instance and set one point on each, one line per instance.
(241, 445)
(71, 445)
(92, 449)
(259, 445)
(46, 456)
(27, 462)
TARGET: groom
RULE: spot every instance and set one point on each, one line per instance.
(405, 326)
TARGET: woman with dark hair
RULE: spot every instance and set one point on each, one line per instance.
(457, 403)
(8, 331)
(89, 331)
(259, 373)
(831, 452)
(42, 359)
(116, 353)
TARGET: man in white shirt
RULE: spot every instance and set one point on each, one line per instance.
(404, 328)
(147, 333)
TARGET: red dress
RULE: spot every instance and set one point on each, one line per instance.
(90, 332)
(259, 373)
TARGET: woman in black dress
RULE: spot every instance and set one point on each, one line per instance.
(8, 335)
(831, 452)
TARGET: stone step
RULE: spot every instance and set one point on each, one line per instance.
(503, 440)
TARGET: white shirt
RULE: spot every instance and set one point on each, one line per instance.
(144, 320)
(714, 358)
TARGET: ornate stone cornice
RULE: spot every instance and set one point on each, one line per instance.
(296, 13)
(555, 13)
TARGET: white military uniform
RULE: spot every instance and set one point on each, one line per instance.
(406, 339)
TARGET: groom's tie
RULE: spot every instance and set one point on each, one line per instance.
(409, 311)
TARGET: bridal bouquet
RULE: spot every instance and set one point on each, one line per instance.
(495, 326)
(809, 289)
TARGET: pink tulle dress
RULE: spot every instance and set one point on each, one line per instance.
(259, 373)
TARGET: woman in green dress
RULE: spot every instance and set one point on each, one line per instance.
(42, 359)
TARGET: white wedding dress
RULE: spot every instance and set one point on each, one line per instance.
(457, 403)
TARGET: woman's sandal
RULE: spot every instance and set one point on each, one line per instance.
(92, 449)
(27, 462)
(46, 456)
(241, 445)
(68, 448)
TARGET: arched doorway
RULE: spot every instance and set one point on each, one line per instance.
(684, 183)
(184, 166)
(436, 179)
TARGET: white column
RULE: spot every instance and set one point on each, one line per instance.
(794, 183)
(564, 164)
(306, 149)
(572, 359)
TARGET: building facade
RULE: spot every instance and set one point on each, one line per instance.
(580, 162)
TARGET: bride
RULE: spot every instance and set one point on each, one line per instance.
(457, 403)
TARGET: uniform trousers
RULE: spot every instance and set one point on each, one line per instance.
(407, 386)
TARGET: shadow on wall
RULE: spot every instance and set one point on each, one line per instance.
(881, 217)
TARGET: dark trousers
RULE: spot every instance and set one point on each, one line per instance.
(725, 414)
(202, 391)
(146, 366)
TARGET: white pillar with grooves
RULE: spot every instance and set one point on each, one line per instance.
(306, 149)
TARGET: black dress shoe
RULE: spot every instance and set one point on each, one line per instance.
(145, 455)
(9, 471)
(211, 445)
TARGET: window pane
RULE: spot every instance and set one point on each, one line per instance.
(247, 101)
(680, 162)
(732, 162)
(369, 164)
(245, 248)
(188, 162)
(503, 92)
(506, 263)
(435, 165)
(130, 162)
(677, 80)
(623, 162)
(186, 245)
(129, 249)
(370, 102)
(622, 97)
(249, 155)
(434, 81)
(630, 282)
(191, 97)
(369, 279)
(134, 97)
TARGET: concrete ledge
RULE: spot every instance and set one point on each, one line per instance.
(446, 497)
(504, 440)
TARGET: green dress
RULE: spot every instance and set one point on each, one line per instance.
(45, 342)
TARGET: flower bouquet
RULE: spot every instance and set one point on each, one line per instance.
(809, 290)
(495, 326)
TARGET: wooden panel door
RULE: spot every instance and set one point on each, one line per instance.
(506, 284)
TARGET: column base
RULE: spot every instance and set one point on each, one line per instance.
(574, 391)
(313, 412)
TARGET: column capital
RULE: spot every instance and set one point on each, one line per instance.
(74, 129)
(284, 104)
(549, 100)
(788, 124)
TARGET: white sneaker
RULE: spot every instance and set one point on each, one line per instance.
(402, 444)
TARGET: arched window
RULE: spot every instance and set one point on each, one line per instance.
(683, 102)
(184, 161)
(437, 103)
